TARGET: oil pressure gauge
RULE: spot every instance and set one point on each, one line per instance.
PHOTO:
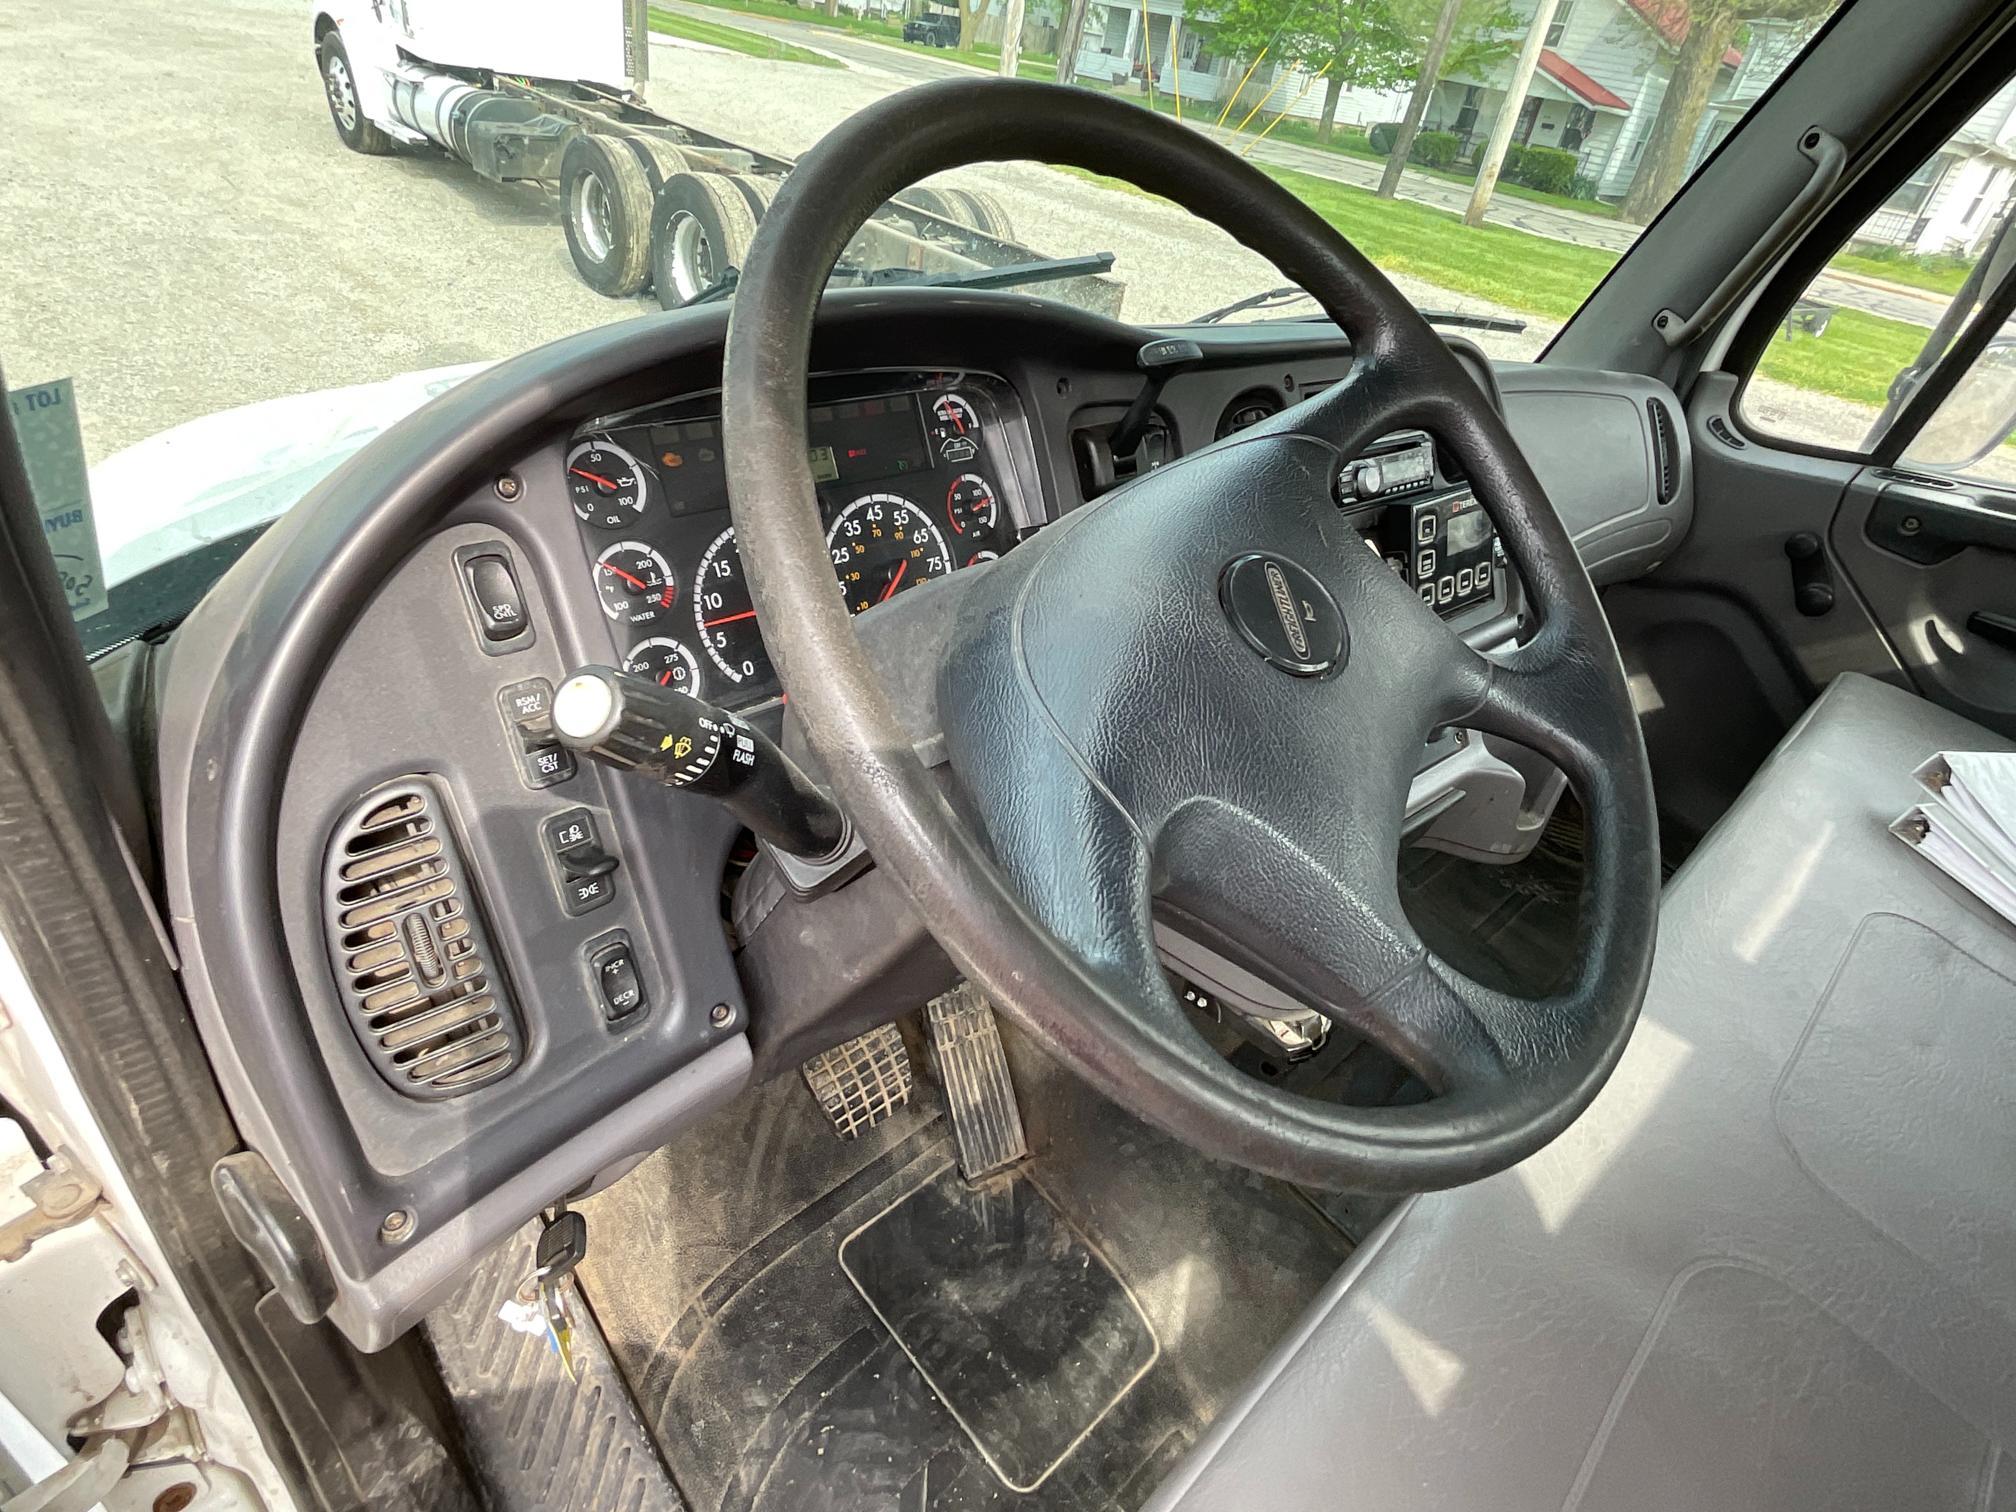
(606, 484)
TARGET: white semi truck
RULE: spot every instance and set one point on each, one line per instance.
(529, 90)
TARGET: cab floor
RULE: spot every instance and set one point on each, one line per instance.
(768, 1383)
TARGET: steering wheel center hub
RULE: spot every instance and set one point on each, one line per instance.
(1283, 611)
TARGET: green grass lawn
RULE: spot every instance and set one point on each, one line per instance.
(783, 10)
(1511, 268)
(1857, 359)
(734, 39)
(1941, 274)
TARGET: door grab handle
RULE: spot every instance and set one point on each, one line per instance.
(1996, 629)
(1828, 157)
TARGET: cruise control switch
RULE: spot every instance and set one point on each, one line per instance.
(684, 742)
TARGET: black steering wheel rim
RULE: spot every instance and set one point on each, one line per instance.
(1516, 1072)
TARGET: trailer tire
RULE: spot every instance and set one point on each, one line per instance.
(339, 88)
(605, 207)
(981, 211)
(969, 207)
(701, 224)
(664, 158)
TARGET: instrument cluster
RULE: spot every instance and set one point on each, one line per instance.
(918, 476)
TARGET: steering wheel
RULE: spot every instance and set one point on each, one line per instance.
(1201, 699)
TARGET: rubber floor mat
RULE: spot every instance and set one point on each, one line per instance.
(1016, 1323)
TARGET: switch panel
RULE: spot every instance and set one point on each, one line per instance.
(618, 979)
(585, 873)
(495, 598)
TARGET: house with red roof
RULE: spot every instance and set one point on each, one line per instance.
(1600, 81)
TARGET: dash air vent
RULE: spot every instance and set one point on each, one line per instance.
(413, 964)
(1665, 449)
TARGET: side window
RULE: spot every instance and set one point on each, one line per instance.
(1870, 330)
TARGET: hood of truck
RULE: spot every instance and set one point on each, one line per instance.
(209, 479)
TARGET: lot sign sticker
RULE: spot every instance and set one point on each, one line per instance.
(45, 418)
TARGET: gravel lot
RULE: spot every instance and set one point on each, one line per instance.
(186, 233)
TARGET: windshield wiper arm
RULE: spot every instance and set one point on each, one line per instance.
(1287, 293)
(1007, 276)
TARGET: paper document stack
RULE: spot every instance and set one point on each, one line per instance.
(1967, 827)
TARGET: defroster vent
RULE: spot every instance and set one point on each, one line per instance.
(413, 963)
(1665, 449)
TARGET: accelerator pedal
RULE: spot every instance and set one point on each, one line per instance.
(862, 1082)
(986, 1123)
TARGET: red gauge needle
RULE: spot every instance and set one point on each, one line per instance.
(635, 582)
(895, 578)
(728, 619)
(593, 478)
(667, 677)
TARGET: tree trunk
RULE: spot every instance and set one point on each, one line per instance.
(1011, 40)
(1417, 103)
(1070, 37)
(1333, 88)
(1509, 110)
(969, 22)
(832, 7)
(1663, 169)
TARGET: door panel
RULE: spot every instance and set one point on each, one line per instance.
(1936, 558)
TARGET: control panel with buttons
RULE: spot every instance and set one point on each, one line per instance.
(1445, 546)
(584, 872)
(527, 708)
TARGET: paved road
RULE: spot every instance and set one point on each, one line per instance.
(1894, 301)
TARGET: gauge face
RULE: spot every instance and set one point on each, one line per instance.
(667, 662)
(883, 544)
(955, 429)
(971, 505)
(635, 583)
(606, 484)
(724, 615)
(981, 556)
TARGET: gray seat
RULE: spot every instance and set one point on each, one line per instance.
(1773, 1267)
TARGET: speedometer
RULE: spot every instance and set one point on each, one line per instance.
(882, 544)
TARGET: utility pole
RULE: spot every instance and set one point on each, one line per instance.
(1011, 39)
(1070, 36)
(1509, 113)
(1424, 90)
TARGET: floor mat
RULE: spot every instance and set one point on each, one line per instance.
(1510, 927)
(771, 1386)
(1017, 1324)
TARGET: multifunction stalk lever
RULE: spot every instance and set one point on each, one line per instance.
(632, 723)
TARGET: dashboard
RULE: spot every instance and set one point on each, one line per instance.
(354, 709)
(918, 475)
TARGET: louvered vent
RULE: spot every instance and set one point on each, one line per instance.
(413, 963)
(1665, 449)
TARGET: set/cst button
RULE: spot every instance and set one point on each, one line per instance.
(527, 708)
(585, 871)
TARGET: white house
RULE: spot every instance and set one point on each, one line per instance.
(1954, 199)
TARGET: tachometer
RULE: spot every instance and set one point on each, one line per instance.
(882, 544)
(666, 662)
(971, 504)
(607, 484)
(725, 616)
(635, 582)
(955, 429)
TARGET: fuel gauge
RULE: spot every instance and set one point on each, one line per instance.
(955, 429)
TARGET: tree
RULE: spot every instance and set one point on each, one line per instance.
(1361, 42)
(1711, 26)
(1070, 37)
(1426, 77)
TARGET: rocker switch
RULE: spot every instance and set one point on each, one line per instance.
(499, 604)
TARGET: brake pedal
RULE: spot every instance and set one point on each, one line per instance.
(986, 1123)
(862, 1082)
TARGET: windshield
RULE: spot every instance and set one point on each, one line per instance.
(332, 212)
